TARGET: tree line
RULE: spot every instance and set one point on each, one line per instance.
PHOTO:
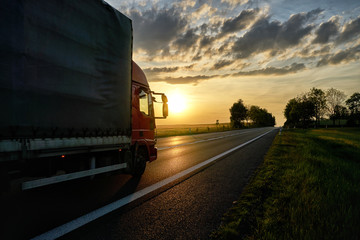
(311, 107)
(253, 116)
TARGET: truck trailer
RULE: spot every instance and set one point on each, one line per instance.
(73, 102)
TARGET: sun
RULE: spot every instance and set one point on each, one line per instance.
(177, 103)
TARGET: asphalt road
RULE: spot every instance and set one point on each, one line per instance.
(188, 208)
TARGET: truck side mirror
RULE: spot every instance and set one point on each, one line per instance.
(164, 98)
(165, 109)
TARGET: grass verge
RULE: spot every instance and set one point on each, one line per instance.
(307, 188)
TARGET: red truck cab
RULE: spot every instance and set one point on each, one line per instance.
(143, 118)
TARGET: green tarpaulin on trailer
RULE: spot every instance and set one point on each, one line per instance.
(65, 69)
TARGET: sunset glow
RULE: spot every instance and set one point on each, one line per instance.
(177, 103)
(263, 52)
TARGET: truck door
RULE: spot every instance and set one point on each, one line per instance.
(143, 116)
(146, 108)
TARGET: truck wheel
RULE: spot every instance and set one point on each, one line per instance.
(139, 165)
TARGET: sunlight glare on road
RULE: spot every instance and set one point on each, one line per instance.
(177, 102)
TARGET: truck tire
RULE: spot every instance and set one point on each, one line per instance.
(139, 162)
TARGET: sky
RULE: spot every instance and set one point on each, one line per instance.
(205, 55)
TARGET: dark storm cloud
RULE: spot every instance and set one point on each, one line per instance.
(204, 28)
(326, 30)
(347, 55)
(293, 68)
(274, 36)
(197, 57)
(324, 50)
(190, 66)
(245, 18)
(154, 29)
(260, 38)
(210, 28)
(351, 30)
(187, 40)
(206, 41)
(226, 46)
(156, 70)
(185, 80)
(221, 64)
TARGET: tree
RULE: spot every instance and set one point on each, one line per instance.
(307, 110)
(353, 104)
(260, 117)
(318, 99)
(292, 117)
(334, 99)
(340, 112)
(298, 112)
(254, 114)
(238, 113)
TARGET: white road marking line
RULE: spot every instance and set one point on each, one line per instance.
(85, 219)
(200, 141)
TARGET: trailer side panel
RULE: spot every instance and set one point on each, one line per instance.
(65, 69)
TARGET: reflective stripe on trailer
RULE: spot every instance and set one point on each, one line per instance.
(71, 176)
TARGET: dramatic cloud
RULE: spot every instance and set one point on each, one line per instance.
(350, 31)
(264, 51)
(210, 28)
(186, 41)
(156, 70)
(160, 70)
(293, 68)
(154, 29)
(260, 38)
(179, 34)
(206, 41)
(324, 50)
(274, 36)
(245, 18)
(326, 30)
(204, 9)
(221, 64)
(185, 80)
(235, 2)
(156, 74)
(190, 66)
(184, 4)
(347, 55)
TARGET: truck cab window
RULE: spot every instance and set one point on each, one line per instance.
(144, 102)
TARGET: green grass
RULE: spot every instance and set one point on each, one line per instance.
(330, 123)
(177, 130)
(307, 188)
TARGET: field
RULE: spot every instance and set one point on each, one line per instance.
(176, 130)
(307, 188)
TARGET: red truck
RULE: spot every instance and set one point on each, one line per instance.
(73, 103)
